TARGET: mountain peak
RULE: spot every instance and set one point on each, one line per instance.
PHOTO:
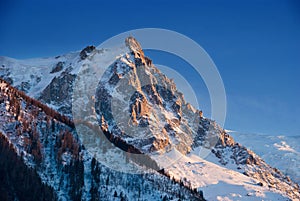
(140, 111)
(133, 44)
(136, 49)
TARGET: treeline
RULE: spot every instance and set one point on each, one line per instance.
(184, 183)
(31, 101)
(19, 182)
(74, 168)
(65, 142)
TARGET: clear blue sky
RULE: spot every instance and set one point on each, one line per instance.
(255, 45)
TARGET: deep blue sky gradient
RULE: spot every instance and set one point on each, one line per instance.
(254, 44)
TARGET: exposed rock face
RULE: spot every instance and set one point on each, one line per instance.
(58, 91)
(153, 103)
(139, 109)
(134, 45)
(86, 51)
(58, 67)
(136, 49)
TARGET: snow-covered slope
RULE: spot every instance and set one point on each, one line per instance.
(282, 152)
(34, 75)
(219, 183)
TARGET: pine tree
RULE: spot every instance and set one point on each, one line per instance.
(107, 181)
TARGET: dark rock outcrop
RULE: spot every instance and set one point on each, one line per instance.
(58, 67)
(86, 51)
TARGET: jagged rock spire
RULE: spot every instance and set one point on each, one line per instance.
(135, 47)
(133, 44)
